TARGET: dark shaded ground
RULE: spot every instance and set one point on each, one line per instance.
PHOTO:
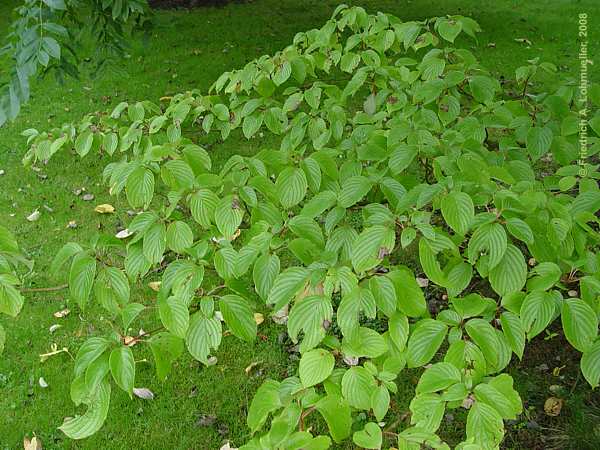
(176, 4)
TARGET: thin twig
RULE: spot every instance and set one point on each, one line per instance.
(46, 289)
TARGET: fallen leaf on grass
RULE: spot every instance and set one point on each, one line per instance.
(88, 197)
(105, 208)
(123, 234)
(281, 316)
(154, 285)
(227, 446)
(143, 393)
(42, 383)
(129, 341)
(71, 224)
(259, 318)
(34, 216)
(62, 313)
(553, 405)
(33, 444)
(252, 367)
(54, 351)
(524, 41)
(54, 327)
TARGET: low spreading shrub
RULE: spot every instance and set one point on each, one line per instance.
(392, 142)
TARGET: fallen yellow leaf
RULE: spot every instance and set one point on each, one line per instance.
(154, 285)
(553, 405)
(259, 318)
(33, 444)
(62, 313)
(105, 208)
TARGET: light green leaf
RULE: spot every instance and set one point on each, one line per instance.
(438, 377)
(81, 278)
(580, 323)
(140, 187)
(537, 311)
(203, 335)
(122, 368)
(590, 364)
(81, 427)
(265, 401)
(315, 367)
(336, 412)
(179, 236)
(174, 315)
(238, 316)
(370, 437)
(425, 341)
(291, 187)
(510, 274)
(514, 331)
(458, 211)
(228, 216)
(353, 190)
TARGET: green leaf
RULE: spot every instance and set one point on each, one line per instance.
(222, 112)
(130, 312)
(539, 140)
(353, 190)
(265, 401)
(369, 437)
(203, 335)
(88, 353)
(590, 364)
(66, 252)
(537, 311)
(438, 377)
(83, 143)
(155, 242)
(179, 236)
(427, 411)
(166, 348)
(112, 289)
(140, 187)
(425, 341)
(490, 238)
(580, 323)
(174, 315)
(122, 368)
(202, 206)
(238, 316)
(357, 387)
(409, 295)
(266, 269)
(2, 339)
(81, 278)
(519, 229)
(371, 246)
(291, 187)
(336, 412)
(282, 73)
(498, 393)
(81, 427)
(315, 367)
(286, 286)
(513, 329)
(483, 88)
(484, 335)
(510, 274)
(458, 211)
(380, 402)
(485, 425)
(402, 157)
(398, 330)
(228, 216)
(449, 28)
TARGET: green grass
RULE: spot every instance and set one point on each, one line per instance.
(189, 50)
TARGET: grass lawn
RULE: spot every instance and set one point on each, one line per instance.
(202, 407)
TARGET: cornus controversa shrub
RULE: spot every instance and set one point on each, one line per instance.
(392, 142)
(11, 259)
